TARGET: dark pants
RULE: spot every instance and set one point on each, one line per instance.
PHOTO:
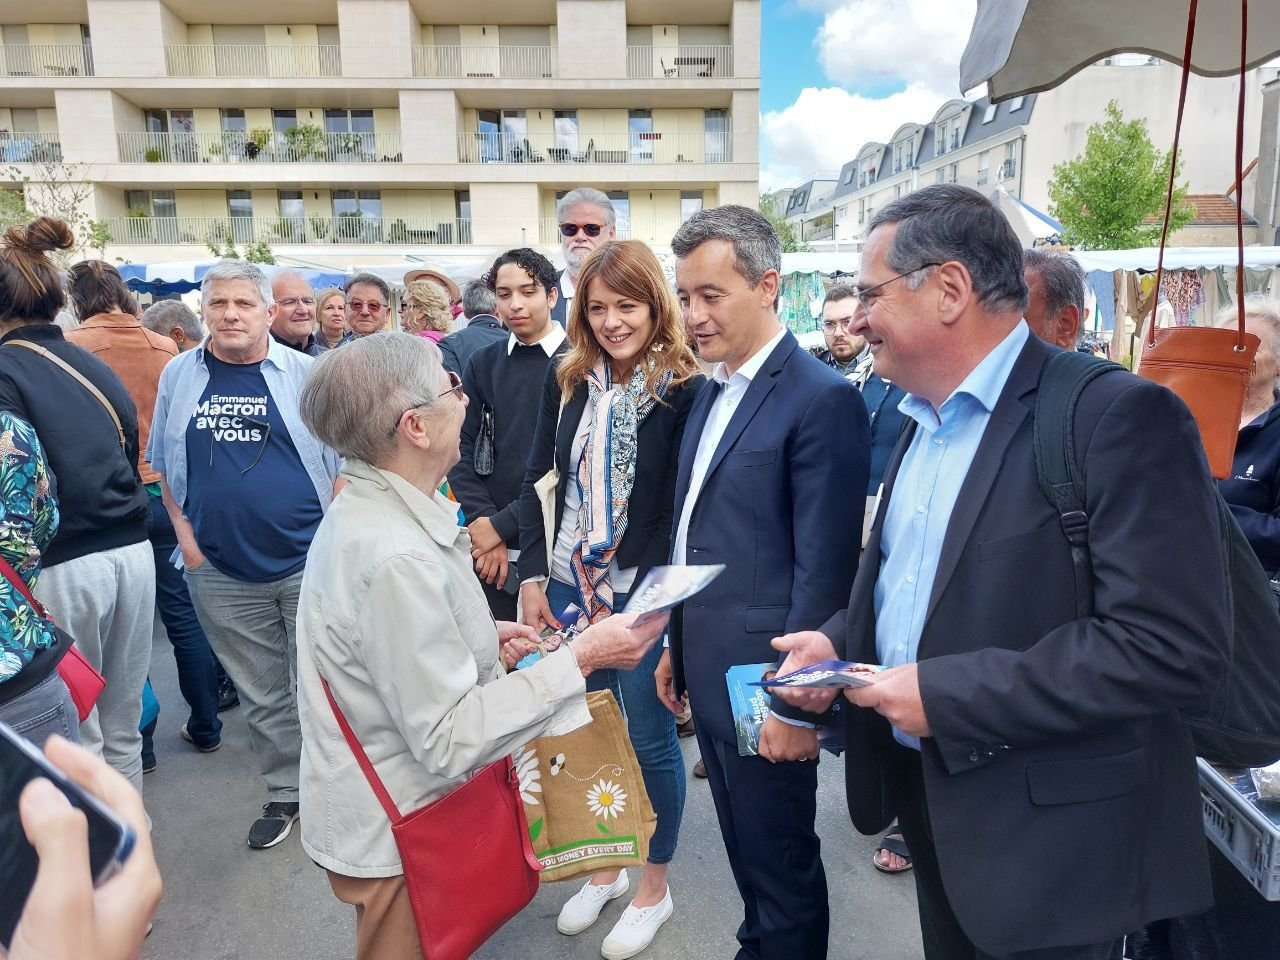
(766, 813)
(501, 604)
(197, 669)
(943, 937)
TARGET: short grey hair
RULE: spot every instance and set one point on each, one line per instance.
(283, 274)
(756, 247)
(225, 270)
(478, 299)
(1259, 306)
(1061, 278)
(373, 280)
(587, 195)
(163, 316)
(353, 395)
(947, 222)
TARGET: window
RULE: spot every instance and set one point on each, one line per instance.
(848, 175)
(25, 120)
(240, 210)
(232, 121)
(862, 211)
(944, 131)
(293, 221)
(904, 152)
(897, 191)
(150, 203)
(462, 204)
(357, 215)
(622, 212)
(350, 134)
(952, 172)
(348, 121)
(566, 125)
(282, 120)
(990, 113)
(984, 164)
(640, 128)
(1016, 104)
(715, 124)
(941, 176)
(166, 121)
(690, 203)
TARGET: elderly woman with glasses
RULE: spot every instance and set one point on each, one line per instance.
(394, 619)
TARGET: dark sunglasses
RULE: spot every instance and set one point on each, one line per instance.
(571, 229)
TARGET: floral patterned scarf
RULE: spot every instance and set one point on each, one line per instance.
(606, 473)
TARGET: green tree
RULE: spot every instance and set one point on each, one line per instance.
(13, 208)
(1104, 195)
(53, 188)
(259, 251)
(786, 231)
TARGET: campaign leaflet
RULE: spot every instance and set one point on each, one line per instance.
(827, 673)
(550, 638)
(749, 703)
(664, 587)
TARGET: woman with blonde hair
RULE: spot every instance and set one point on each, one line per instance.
(331, 317)
(627, 383)
(424, 310)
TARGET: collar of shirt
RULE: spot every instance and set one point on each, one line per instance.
(549, 343)
(276, 350)
(300, 347)
(436, 513)
(567, 287)
(747, 372)
(984, 383)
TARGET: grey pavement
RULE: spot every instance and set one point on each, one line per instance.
(224, 901)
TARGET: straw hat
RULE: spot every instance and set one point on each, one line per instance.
(427, 272)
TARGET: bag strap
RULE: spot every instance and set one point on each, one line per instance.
(80, 377)
(20, 585)
(388, 805)
(1065, 376)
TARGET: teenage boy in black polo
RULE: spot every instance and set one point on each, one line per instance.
(504, 382)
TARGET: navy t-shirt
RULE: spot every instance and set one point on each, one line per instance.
(249, 498)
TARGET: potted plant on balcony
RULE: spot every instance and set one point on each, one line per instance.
(139, 222)
(305, 142)
(153, 154)
(399, 231)
(288, 230)
(319, 227)
(348, 226)
(257, 141)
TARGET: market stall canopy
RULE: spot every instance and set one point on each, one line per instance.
(826, 263)
(1176, 258)
(1027, 46)
(162, 279)
(1028, 223)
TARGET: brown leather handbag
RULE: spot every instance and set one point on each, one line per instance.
(1208, 368)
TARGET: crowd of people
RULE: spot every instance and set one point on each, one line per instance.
(334, 520)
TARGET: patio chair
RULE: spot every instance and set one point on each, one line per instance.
(667, 71)
(587, 155)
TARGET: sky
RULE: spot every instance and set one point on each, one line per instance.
(839, 73)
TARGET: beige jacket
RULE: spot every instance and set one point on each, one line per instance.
(392, 615)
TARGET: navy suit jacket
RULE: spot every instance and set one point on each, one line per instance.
(781, 507)
(1061, 784)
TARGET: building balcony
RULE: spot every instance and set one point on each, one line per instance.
(303, 144)
(1008, 169)
(29, 147)
(252, 60)
(680, 63)
(458, 62)
(657, 231)
(656, 147)
(283, 231)
(46, 60)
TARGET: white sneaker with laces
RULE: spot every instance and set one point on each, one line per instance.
(583, 908)
(636, 929)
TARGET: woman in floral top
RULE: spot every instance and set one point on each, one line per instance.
(33, 698)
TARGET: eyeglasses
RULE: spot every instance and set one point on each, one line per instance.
(831, 326)
(359, 306)
(571, 229)
(455, 387)
(290, 302)
(868, 302)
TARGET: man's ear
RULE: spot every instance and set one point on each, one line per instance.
(770, 283)
(955, 290)
(1068, 327)
(552, 296)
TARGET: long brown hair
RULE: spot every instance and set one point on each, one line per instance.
(30, 284)
(630, 269)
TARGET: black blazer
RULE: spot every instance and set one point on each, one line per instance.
(1061, 785)
(781, 507)
(560, 310)
(646, 542)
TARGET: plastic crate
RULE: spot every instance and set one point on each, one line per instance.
(1244, 828)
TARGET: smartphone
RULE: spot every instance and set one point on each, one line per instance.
(110, 839)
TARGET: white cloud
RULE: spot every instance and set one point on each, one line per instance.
(824, 128)
(918, 41)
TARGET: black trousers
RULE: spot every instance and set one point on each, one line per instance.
(501, 604)
(944, 939)
(766, 813)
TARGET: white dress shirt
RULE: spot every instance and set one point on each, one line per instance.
(549, 343)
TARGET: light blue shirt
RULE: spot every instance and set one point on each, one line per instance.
(924, 493)
(182, 383)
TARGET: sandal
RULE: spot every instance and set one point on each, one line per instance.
(893, 843)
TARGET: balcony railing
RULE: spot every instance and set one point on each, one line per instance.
(46, 60)
(30, 148)
(657, 147)
(252, 60)
(350, 229)
(1008, 169)
(305, 144)
(682, 62)
(458, 62)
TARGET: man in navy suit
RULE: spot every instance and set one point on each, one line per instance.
(759, 465)
(1035, 759)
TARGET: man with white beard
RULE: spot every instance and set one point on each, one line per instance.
(586, 218)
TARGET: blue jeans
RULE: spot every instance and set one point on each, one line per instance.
(45, 709)
(197, 671)
(651, 726)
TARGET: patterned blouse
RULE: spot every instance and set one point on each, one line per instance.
(28, 522)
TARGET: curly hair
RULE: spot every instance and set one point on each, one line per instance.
(531, 262)
(429, 297)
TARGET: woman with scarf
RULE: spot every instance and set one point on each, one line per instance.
(612, 417)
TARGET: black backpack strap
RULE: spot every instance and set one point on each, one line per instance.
(1064, 377)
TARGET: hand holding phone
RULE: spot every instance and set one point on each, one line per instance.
(90, 809)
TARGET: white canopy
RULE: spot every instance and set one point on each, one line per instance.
(1176, 258)
(1025, 46)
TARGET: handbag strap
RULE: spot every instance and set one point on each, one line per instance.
(388, 805)
(79, 377)
(20, 585)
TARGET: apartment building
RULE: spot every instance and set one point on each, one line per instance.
(1015, 144)
(344, 132)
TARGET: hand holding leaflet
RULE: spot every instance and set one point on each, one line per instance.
(827, 673)
(664, 587)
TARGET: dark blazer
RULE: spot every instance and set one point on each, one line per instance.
(1253, 489)
(560, 312)
(1061, 785)
(647, 541)
(781, 507)
(456, 349)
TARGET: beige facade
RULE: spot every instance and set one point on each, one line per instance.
(345, 131)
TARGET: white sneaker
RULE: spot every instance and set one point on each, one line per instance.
(636, 929)
(583, 908)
